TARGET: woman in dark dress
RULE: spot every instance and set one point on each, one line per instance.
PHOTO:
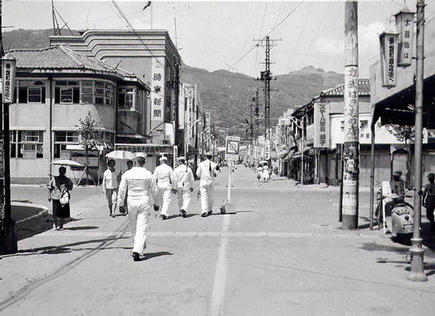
(429, 200)
(59, 188)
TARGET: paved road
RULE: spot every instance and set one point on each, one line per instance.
(283, 253)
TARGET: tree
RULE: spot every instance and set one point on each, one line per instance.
(405, 134)
(90, 131)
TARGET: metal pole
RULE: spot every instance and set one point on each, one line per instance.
(351, 128)
(230, 168)
(372, 175)
(340, 199)
(417, 251)
(303, 149)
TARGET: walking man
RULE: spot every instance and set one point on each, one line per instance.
(206, 172)
(183, 178)
(142, 192)
(164, 174)
(110, 186)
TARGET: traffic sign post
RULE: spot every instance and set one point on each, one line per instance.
(232, 150)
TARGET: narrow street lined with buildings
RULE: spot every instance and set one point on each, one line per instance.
(275, 256)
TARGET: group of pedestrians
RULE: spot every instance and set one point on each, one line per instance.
(137, 192)
(263, 172)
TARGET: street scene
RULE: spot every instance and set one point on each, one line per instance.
(173, 158)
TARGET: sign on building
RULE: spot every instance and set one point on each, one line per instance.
(8, 78)
(405, 26)
(321, 125)
(189, 119)
(157, 91)
(181, 107)
(232, 147)
(388, 42)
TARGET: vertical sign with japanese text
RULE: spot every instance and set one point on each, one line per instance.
(405, 25)
(351, 130)
(189, 94)
(321, 125)
(8, 78)
(157, 91)
(181, 107)
(389, 59)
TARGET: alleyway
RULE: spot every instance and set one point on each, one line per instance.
(282, 253)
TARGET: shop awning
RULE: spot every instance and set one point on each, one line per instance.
(399, 108)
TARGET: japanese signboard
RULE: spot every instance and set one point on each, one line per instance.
(232, 147)
(157, 90)
(189, 94)
(8, 78)
(207, 121)
(181, 107)
(321, 125)
(405, 26)
(389, 58)
(351, 131)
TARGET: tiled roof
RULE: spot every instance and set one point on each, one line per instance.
(61, 57)
(338, 91)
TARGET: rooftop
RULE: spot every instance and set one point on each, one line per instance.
(338, 91)
(60, 57)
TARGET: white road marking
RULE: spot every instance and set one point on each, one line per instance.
(223, 234)
(220, 277)
(31, 217)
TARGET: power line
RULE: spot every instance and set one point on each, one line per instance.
(273, 29)
(124, 18)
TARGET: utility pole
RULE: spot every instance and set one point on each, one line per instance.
(266, 77)
(351, 119)
(417, 251)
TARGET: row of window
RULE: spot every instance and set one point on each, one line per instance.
(75, 92)
(29, 144)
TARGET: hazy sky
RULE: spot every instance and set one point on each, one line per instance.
(215, 35)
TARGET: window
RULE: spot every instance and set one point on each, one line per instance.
(67, 92)
(87, 91)
(342, 125)
(126, 97)
(26, 144)
(61, 139)
(31, 91)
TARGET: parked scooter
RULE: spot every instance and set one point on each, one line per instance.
(395, 215)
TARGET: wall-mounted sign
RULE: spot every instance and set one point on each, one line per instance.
(405, 26)
(388, 41)
(321, 125)
(8, 78)
(157, 90)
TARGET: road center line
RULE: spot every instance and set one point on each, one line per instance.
(218, 294)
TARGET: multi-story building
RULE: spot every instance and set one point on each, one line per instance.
(152, 57)
(55, 88)
(318, 127)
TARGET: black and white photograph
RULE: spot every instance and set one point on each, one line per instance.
(217, 158)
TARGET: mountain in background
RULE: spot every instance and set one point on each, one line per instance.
(226, 94)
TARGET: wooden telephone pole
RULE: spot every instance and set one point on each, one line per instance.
(351, 117)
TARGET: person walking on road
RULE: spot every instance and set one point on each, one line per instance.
(164, 174)
(110, 186)
(59, 188)
(142, 193)
(183, 178)
(206, 172)
(429, 200)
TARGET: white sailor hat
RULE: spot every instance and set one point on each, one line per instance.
(181, 158)
(163, 158)
(140, 155)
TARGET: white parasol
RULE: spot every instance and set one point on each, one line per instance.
(67, 162)
(121, 155)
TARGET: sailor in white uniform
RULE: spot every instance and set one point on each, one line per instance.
(206, 172)
(142, 192)
(164, 174)
(183, 178)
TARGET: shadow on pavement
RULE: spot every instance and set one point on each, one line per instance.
(151, 255)
(66, 248)
(81, 227)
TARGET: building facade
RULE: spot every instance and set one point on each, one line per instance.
(55, 89)
(152, 57)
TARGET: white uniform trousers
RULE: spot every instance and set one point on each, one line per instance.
(164, 197)
(184, 197)
(206, 197)
(139, 213)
